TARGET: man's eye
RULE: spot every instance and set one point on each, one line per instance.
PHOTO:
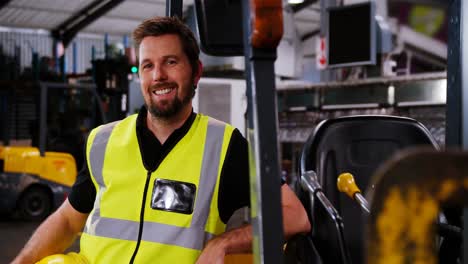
(147, 66)
(171, 62)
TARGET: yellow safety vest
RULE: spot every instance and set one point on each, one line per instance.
(117, 171)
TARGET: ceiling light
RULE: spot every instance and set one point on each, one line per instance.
(295, 2)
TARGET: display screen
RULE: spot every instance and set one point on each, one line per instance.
(220, 27)
(351, 35)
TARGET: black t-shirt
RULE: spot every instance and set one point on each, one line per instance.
(234, 182)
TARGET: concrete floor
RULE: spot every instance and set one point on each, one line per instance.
(14, 234)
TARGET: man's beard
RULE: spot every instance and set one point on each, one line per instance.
(170, 108)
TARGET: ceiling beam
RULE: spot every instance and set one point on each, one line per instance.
(66, 31)
(298, 7)
(4, 3)
(174, 8)
(311, 34)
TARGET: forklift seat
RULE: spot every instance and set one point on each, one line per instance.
(358, 145)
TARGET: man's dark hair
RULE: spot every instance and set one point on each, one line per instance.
(159, 26)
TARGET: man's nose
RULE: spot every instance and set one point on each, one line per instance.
(159, 73)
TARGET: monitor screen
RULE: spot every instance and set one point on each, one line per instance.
(352, 35)
(220, 27)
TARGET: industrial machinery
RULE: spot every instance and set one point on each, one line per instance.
(34, 184)
(36, 117)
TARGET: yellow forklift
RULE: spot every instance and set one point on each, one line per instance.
(34, 184)
(33, 181)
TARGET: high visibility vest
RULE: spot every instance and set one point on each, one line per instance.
(117, 171)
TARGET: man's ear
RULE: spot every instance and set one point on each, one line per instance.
(198, 74)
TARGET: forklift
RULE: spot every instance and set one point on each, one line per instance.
(41, 148)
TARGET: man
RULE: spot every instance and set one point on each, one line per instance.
(160, 186)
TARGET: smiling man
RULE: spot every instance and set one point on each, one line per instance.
(167, 77)
(160, 186)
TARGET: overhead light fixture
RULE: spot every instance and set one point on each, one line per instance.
(294, 2)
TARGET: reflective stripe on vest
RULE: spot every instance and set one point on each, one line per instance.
(193, 237)
(96, 159)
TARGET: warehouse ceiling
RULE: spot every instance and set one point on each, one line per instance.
(65, 18)
(121, 20)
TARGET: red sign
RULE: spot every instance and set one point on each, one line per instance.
(321, 53)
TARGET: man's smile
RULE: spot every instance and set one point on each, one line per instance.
(163, 91)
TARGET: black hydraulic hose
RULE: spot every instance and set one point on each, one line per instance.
(142, 216)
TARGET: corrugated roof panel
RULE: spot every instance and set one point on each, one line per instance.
(19, 17)
(54, 19)
(4, 15)
(138, 10)
(186, 2)
(116, 26)
(52, 5)
(8, 15)
(26, 18)
(43, 18)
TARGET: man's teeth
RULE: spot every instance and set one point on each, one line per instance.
(163, 91)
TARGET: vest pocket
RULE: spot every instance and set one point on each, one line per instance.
(173, 196)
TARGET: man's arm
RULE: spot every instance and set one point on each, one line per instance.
(53, 236)
(239, 240)
(295, 219)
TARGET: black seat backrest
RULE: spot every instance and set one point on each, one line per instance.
(358, 145)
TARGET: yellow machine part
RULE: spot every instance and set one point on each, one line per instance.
(53, 166)
(409, 192)
(70, 258)
(238, 259)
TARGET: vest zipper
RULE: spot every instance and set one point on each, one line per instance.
(142, 216)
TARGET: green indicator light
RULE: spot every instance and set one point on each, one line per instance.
(134, 69)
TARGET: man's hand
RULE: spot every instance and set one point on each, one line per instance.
(214, 252)
(53, 236)
(237, 240)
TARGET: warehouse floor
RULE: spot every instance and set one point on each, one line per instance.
(14, 234)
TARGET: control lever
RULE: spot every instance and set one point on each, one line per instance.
(347, 185)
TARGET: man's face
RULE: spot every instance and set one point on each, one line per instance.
(166, 76)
